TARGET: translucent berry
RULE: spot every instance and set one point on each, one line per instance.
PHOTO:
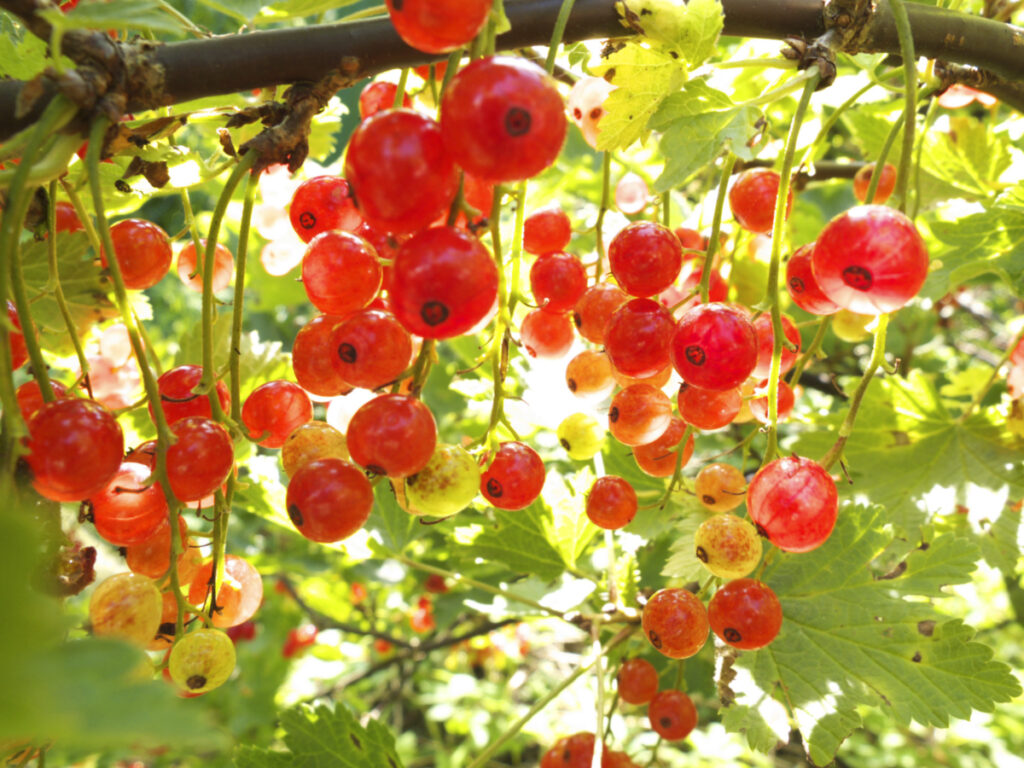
(576, 751)
(298, 640)
(557, 281)
(438, 26)
(611, 502)
(794, 503)
(851, 327)
(581, 435)
(274, 410)
(192, 275)
(329, 499)
(676, 623)
(131, 508)
(546, 231)
(638, 337)
(313, 440)
(714, 347)
(126, 606)
(313, 357)
(639, 415)
(67, 218)
(322, 204)
(30, 398)
(152, 557)
(728, 546)
(19, 352)
(586, 105)
(645, 258)
(657, 380)
(759, 403)
(514, 478)
(638, 681)
(143, 252)
(201, 458)
(393, 435)
(660, 457)
(803, 286)
(376, 97)
(447, 485)
(752, 199)
(546, 334)
(340, 273)
(707, 408)
(631, 194)
(589, 375)
(746, 614)
(202, 660)
(595, 308)
(179, 398)
(886, 183)
(720, 487)
(238, 595)
(672, 714)
(766, 341)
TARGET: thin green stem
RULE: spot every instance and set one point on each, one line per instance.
(980, 394)
(811, 351)
(846, 428)
(780, 62)
(28, 329)
(606, 194)
(58, 289)
(403, 79)
(774, 266)
(666, 208)
(181, 18)
(876, 174)
(716, 227)
(783, 90)
(517, 247)
(933, 109)
(556, 34)
(238, 304)
(906, 37)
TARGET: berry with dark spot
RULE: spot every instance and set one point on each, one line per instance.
(515, 477)
(329, 499)
(672, 714)
(746, 614)
(676, 622)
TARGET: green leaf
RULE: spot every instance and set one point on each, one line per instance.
(297, 9)
(243, 10)
(22, 56)
(520, 540)
(682, 565)
(116, 14)
(325, 738)
(990, 242)
(395, 526)
(904, 423)
(644, 78)
(851, 638)
(688, 29)
(262, 361)
(571, 530)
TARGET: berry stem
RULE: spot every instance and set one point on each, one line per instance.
(716, 227)
(28, 329)
(606, 185)
(238, 304)
(595, 635)
(883, 154)
(403, 79)
(846, 428)
(980, 394)
(484, 757)
(774, 267)
(811, 351)
(906, 38)
(933, 109)
(556, 34)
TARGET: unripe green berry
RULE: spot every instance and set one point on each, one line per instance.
(448, 484)
(728, 546)
(202, 660)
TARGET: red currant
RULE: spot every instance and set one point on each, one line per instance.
(759, 403)
(371, 349)
(676, 623)
(393, 435)
(239, 593)
(514, 478)
(714, 347)
(720, 487)
(274, 410)
(67, 218)
(178, 398)
(312, 357)
(557, 280)
(794, 503)
(192, 275)
(401, 173)
(803, 286)
(444, 283)
(438, 26)
(200, 460)
(589, 374)
(329, 499)
(30, 398)
(546, 334)
(546, 231)
(595, 308)
(672, 714)
(377, 97)
(576, 751)
(322, 204)
(766, 341)
(691, 239)
(152, 557)
(645, 258)
(870, 260)
(143, 252)
(19, 352)
(340, 273)
(886, 183)
(638, 681)
(298, 640)
(659, 458)
(639, 415)
(638, 338)
(503, 119)
(707, 408)
(611, 502)
(752, 199)
(131, 508)
(746, 614)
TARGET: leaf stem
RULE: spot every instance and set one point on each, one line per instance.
(556, 34)
(906, 38)
(980, 394)
(238, 303)
(716, 227)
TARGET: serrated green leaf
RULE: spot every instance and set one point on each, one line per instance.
(22, 56)
(116, 14)
(324, 738)
(520, 541)
(644, 78)
(903, 423)
(262, 361)
(395, 526)
(990, 242)
(688, 29)
(571, 530)
(690, 143)
(682, 565)
(850, 638)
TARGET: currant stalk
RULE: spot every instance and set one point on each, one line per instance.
(716, 228)
(906, 38)
(980, 395)
(54, 284)
(606, 185)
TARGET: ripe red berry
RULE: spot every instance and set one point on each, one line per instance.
(377, 97)
(143, 252)
(152, 557)
(515, 477)
(67, 218)
(576, 751)
(19, 352)
(371, 348)
(639, 414)
(421, 620)
(759, 403)
(691, 239)
(274, 410)
(720, 487)
(201, 458)
(870, 260)
(192, 275)
(435, 584)
(794, 503)
(503, 119)
(438, 26)
(595, 308)
(30, 399)
(312, 357)
(400, 171)
(75, 447)
(546, 231)
(672, 714)
(589, 374)
(746, 614)
(129, 509)
(444, 283)
(178, 398)
(638, 338)
(340, 273)
(714, 347)
(238, 595)
(611, 502)
(298, 640)
(557, 280)
(708, 408)
(886, 183)
(803, 286)
(645, 258)
(638, 681)
(322, 204)
(546, 334)
(676, 623)
(659, 458)
(766, 341)
(752, 199)
(329, 499)
(393, 435)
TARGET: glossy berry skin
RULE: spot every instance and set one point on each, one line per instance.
(393, 435)
(752, 199)
(312, 357)
(178, 398)
(589, 375)
(438, 26)
(313, 440)
(794, 503)
(274, 410)
(503, 119)
(239, 594)
(714, 347)
(126, 606)
(595, 308)
(322, 204)
(728, 546)
(851, 327)
(759, 403)
(745, 614)
(444, 282)
(645, 258)
(708, 409)
(870, 260)
(639, 414)
(67, 218)
(659, 458)
(371, 349)
(546, 334)
(340, 273)
(128, 511)
(192, 276)
(19, 352)
(329, 499)
(611, 502)
(30, 398)
(546, 231)
(152, 557)
(75, 447)
(201, 458)
(638, 338)
(638, 681)
(143, 252)
(514, 478)
(376, 97)
(803, 285)
(401, 173)
(720, 487)
(581, 435)
(766, 341)
(676, 623)
(576, 751)
(886, 183)
(201, 661)
(557, 281)
(446, 486)
(672, 715)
